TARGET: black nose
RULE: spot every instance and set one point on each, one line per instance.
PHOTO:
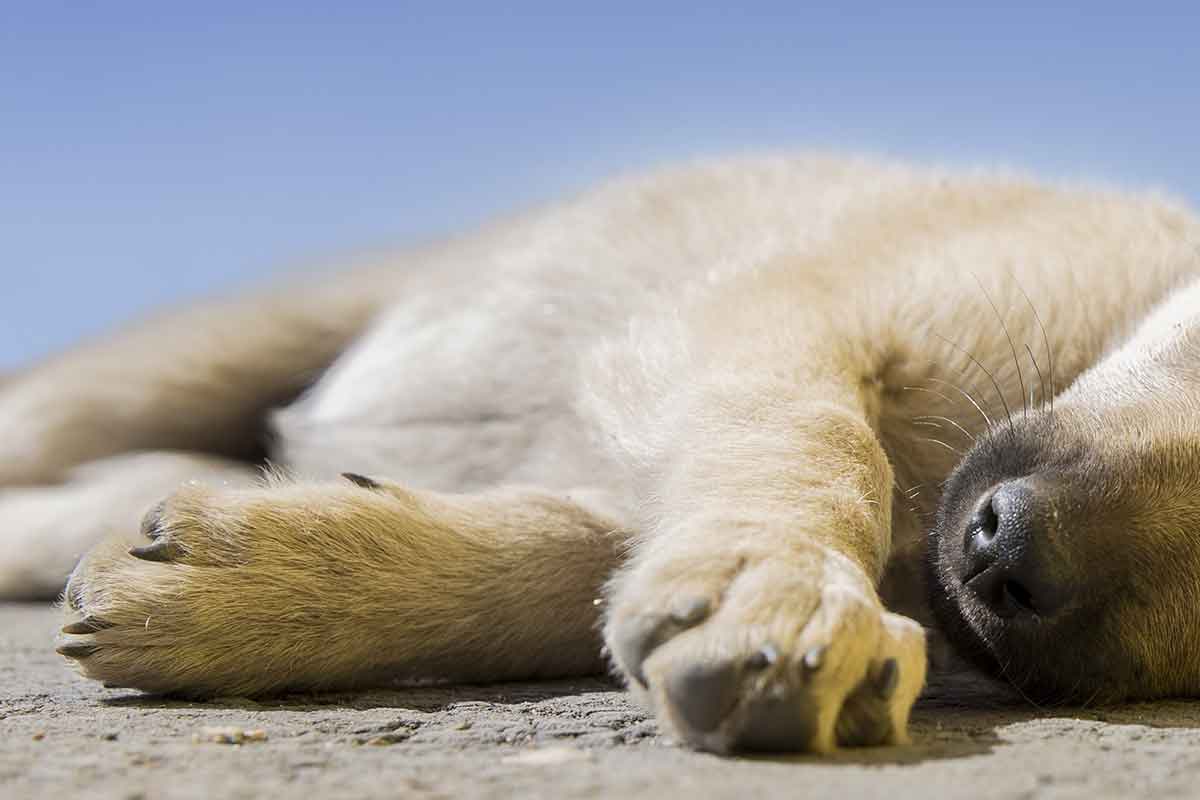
(1007, 558)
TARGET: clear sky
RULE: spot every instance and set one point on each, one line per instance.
(153, 151)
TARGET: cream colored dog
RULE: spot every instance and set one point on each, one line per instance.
(715, 409)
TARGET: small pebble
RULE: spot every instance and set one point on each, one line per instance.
(230, 735)
(37, 737)
(386, 739)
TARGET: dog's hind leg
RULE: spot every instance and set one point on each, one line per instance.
(198, 379)
(45, 529)
(337, 585)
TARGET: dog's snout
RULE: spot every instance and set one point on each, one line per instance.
(1004, 549)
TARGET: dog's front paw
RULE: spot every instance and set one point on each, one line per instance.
(746, 649)
(229, 592)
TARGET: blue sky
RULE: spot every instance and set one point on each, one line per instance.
(150, 152)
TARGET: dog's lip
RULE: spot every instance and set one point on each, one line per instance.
(956, 580)
(986, 621)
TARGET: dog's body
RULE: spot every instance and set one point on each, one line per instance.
(726, 400)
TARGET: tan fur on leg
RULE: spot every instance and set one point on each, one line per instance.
(339, 585)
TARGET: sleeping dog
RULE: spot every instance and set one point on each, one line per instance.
(758, 435)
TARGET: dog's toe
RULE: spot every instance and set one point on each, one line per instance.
(645, 633)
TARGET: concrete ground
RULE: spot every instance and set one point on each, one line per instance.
(62, 737)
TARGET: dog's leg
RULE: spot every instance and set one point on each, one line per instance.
(45, 529)
(748, 615)
(339, 585)
(198, 379)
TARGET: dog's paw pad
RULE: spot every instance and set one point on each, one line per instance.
(703, 693)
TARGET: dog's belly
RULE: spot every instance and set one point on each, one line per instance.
(467, 385)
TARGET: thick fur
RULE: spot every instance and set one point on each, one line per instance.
(735, 391)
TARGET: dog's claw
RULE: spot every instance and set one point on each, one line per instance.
(814, 658)
(162, 550)
(361, 480)
(87, 625)
(75, 649)
(887, 679)
(763, 658)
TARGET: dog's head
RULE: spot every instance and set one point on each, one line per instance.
(1066, 551)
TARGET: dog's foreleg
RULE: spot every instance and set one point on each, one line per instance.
(357, 583)
(748, 615)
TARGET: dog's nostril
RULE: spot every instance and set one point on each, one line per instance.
(987, 521)
(983, 526)
(1000, 521)
(978, 545)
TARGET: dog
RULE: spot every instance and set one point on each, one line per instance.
(743, 431)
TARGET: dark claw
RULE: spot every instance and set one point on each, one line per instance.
(763, 658)
(87, 625)
(887, 679)
(163, 550)
(703, 693)
(152, 522)
(76, 650)
(361, 480)
(814, 658)
(692, 612)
